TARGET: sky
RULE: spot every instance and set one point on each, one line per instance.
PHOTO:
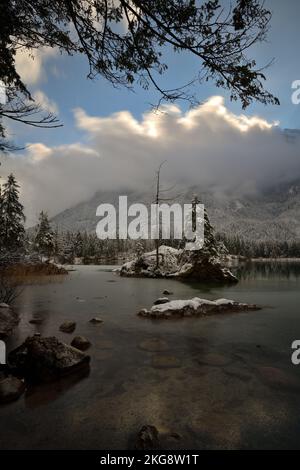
(110, 138)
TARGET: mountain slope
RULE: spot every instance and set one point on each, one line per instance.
(272, 215)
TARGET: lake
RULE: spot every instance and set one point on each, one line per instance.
(221, 382)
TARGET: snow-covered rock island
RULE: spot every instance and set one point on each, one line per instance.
(178, 264)
(195, 307)
(203, 264)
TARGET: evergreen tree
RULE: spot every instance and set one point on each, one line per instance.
(13, 232)
(78, 245)
(44, 239)
(67, 248)
(210, 245)
(1, 220)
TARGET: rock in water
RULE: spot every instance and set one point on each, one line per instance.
(147, 438)
(68, 327)
(8, 321)
(96, 320)
(196, 266)
(81, 343)
(44, 359)
(36, 321)
(167, 292)
(161, 300)
(145, 265)
(179, 264)
(11, 388)
(195, 307)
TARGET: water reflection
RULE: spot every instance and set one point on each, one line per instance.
(219, 382)
(268, 270)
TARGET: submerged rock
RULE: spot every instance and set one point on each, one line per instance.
(8, 321)
(151, 438)
(195, 307)
(275, 377)
(81, 343)
(164, 362)
(11, 388)
(68, 327)
(153, 345)
(44, 359)
(147, 438)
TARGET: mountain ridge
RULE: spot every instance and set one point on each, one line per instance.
(270, 215)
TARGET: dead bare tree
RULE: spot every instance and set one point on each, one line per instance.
(161, 195)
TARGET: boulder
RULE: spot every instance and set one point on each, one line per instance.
(68, 327)
(43, 359)
(8, 321)
(81, 343)
(195, 265)
(36, 321)
(11, 388)
(96, 320)
(145, 265)
(167, 292)
(161, 300)
(147, 438)
(195, 307)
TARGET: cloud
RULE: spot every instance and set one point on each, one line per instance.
(208, 146)
(42, 99)
(31, 66)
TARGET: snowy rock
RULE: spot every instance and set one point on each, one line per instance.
(196, 266)
(68, 327)
(161, 300)
(81, 343)
(8, 321)
(179, 264)
(195, 307)
(11, 388)
(145, 265)
(43, 359)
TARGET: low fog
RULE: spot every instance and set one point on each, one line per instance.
(207, 146)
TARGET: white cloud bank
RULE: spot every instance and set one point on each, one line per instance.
(31, 66)
(46, 103)
(208, 146)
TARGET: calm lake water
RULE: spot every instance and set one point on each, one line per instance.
(221, 382)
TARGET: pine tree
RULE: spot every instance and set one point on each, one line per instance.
(1, 220)
(44, 239)
(78, 245)
(67, 248)
(13, 218)
(210, 244)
